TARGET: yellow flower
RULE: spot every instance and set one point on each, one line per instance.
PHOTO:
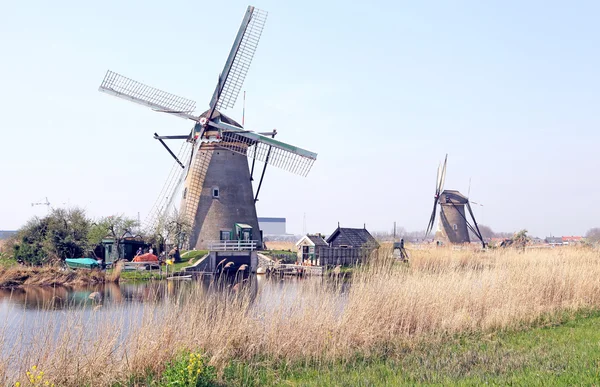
(34, 368)
(17, 384)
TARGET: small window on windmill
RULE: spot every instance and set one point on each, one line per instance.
(454, 227)
(225, 235)
(185, 192)
(215, 192)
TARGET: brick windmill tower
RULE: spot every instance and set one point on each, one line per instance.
(453, 225)
(217, 198)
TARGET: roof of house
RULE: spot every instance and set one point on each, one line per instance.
(358, 237)
(554, 240)
(317, 240)
(314, 240)
(571, 238)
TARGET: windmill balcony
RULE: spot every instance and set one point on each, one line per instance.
(232, 245)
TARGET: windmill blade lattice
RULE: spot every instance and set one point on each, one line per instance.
(439, 188)
(239, 60)
(134, 91)
(281, 155)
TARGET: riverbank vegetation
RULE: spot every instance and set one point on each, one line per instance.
(18, 275)
(70, 233)
(454, 305)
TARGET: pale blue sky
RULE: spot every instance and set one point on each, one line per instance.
(380, 91)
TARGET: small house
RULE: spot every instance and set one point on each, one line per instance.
(353, 238)
(127, 248)
(347, 246)
(572, 240)
(554, 241)
(309, 248)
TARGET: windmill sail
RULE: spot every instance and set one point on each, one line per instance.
(237, 64)
(134, 91)
(280, 155)
(265, 149)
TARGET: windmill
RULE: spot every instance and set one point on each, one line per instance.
(453, 226)
(216, 180)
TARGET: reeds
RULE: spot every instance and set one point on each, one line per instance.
(115, 274)
(18, 275)
(388, 307)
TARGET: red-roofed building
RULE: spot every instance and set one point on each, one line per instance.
(572, 240)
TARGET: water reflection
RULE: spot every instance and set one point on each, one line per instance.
(26, 310)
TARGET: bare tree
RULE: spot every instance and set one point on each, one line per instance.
(115, 226)
(593, 235)
(171, 229)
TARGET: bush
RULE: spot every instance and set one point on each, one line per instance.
(189, 370)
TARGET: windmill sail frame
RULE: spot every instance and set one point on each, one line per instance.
(238, 62)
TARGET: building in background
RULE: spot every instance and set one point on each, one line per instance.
(272, 226)
(6, 234)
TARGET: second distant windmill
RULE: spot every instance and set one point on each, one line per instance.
(453, 225)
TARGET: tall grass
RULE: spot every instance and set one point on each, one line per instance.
(388, 308)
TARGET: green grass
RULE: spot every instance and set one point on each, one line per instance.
(144, 275)
(284, 255)
(568, 354)
(7, 260)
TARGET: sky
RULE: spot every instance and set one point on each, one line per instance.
(380, 90)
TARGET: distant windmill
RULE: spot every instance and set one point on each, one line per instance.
(217, 190)
(453, 226)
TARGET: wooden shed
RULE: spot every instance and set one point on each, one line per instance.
(347, 246)
(309, 249)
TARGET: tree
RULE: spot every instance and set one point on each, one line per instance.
(117, 227)
(28, 247)
(66, 235)
(593, 235)
(520, 239)
(171, 229)
(486, 232)
(62, 234)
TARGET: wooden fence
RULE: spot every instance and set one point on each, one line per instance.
(333, 256)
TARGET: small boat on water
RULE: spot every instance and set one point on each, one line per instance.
(82, 263)
(180, 278)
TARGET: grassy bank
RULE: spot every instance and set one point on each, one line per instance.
(566, 354)
(18, 275)
(187, 258)
(444, 317)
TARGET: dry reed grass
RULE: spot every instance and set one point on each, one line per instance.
(19, 275)
(388, 307)
(280, 245)
(115, 274)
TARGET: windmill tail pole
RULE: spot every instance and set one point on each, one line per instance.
(475, 224)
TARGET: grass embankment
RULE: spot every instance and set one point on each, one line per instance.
(18, 275)
(187, 258)
(568, 354)
(437, 318)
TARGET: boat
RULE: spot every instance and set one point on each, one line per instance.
(180, 278)
(82, 263)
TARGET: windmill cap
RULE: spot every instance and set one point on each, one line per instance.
(217, 114)
(452, 196)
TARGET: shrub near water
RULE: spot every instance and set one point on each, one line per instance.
(388, 309)
(189, 371)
